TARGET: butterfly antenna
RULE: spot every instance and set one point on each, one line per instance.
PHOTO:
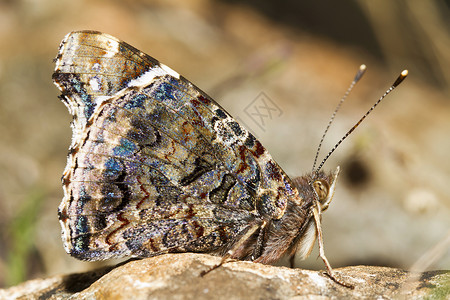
(399, 80)
(358, 76)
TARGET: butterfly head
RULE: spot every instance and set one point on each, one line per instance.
(323, 188)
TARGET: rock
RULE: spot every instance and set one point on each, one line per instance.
(177, 276)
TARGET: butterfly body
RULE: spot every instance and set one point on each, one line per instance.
(157, 166)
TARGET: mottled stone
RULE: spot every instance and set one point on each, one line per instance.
(177, 276)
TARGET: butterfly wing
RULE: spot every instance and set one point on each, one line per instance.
(155, 164)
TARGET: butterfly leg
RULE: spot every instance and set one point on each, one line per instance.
(236, 246)
(330, 272)
(292, 260)
(257, 251)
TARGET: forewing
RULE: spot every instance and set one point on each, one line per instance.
(155, 165)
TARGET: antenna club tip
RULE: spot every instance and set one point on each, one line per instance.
(360, 73)
(400, 78)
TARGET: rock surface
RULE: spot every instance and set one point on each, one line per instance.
(177, 276)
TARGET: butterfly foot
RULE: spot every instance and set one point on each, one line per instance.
(339, 281)
(204, 272)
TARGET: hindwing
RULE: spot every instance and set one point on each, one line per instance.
(155, 164)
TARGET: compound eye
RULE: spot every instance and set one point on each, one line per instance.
(322, 189)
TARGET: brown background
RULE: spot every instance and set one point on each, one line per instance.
(392, 203)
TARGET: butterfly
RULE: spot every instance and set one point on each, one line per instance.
(157, 166)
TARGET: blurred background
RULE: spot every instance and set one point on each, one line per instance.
(291, 61)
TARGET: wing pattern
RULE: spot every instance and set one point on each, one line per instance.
(155, 164)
